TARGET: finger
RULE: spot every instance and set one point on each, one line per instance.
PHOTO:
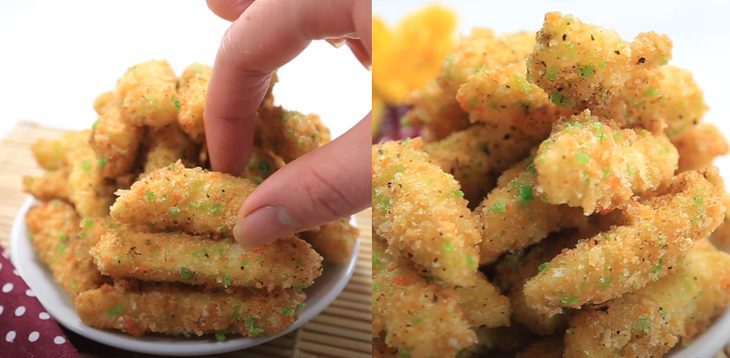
(328, 183)
(269, 34)
(360, 52)
(229, 9)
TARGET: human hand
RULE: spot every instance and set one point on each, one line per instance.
(327, 183)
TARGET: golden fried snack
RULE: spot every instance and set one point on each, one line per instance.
(90, 193)
(51, 185)
(419, 318)
(166, 146)
(51, 153)
(438, 113)
(483, 305)
(699, 146)
(333, 240)
(421, 212)
(626, 258)
(261, 164)
(192, 93)
(54, 233)
(513, 216)
(512, 270)
(548, 347)
(585, 163)
(289, 134)
(192, 200)
(476, 156)
(147, 94)
(502, 97)
(140, 308)
(650, 321)
(172, 257)
(115, 141)
(482, 50)
(683, 103)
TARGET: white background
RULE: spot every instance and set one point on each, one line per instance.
(700, 31)
(56, 56)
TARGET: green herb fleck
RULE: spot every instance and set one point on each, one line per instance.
(220, 336)
(115, 310)
(288, 311)
(582, 158)
(174, 211)
(404, 353)
(525, 194)
(470, 262)
(605, 282)
(251, 326)
(651, 92)
(177, 106)
(559, 99)
(88, 223)
(257, 180)
(227, 280)
(543, 266)
(663, 312)
(459, 194)
(101, 161)
(587, 71)
(552, 72)
(449, 246)
(656, 268)
(86, 166)
(186, 273)
(417, 320)
(642, 324)
(150, 196)
(96, 124)
(215, 209)
(498, 206)
(569, 300)
(602, 64)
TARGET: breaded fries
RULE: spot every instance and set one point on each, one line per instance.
(419, 319)
(513, 216)
(54, 233)
(421, 212)
(50, 154)
(139, 308)
(334, 240)
(167, 145)
(699, 146)
(147, 94)
(626, 258)
(51, 185)
(172, 257)
(585, 163)
(192, 200)
(289, 134)
(192, 92)
(650, 321)
(114, 140)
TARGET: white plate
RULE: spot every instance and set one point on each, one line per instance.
(326, 288)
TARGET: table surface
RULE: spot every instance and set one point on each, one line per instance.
(341, 330)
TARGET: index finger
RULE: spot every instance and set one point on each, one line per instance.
(267, 35)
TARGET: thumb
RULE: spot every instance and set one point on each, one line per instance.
(326, 184)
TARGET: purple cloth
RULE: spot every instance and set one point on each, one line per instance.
(26, 329)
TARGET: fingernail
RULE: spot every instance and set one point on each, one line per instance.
(336, 43)
(264, 225)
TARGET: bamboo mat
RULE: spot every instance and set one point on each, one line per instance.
(341, 330)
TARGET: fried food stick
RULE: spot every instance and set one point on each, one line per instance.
(51, 153)
(289, 134)
(585, 163)
(177, 198)
(650, 321)
(502, 97)
(699, 146)
(421, 212)
(54, 233)
(513, 216)
(476, 156)
(147, 94)
(192, 92)
(90, 193)
(115, 141)
(419, 318)
(661, 231)
(584, 66)
(139, 308)
(333, 240)
(51, 185)
(173, 257)
(166, 146)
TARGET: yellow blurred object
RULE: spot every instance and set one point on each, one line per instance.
(407, 56)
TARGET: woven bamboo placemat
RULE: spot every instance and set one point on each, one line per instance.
(341, 330)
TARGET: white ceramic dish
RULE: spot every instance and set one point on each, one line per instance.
(58, 304)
